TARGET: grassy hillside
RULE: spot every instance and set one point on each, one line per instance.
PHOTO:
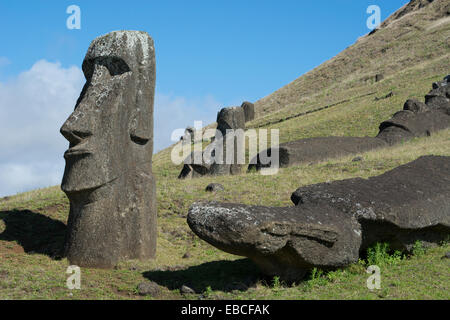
(411, 51)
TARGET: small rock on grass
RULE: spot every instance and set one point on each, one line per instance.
(214, 187)
(186, 290)
(446, 255)
(149, 288)
(356, 159)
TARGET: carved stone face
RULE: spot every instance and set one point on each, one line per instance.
(107, 141)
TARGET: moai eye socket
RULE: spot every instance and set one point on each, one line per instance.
(116, 66)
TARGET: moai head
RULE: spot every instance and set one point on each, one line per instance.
(111, 129)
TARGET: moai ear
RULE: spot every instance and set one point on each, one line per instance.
(140, 131)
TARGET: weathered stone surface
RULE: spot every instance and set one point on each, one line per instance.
(230, 118)
(249, 111)
(419, 119)
(214, 187)
(332, 223)
(439, 98)
(149, 288)
(416, 106)
(405, 125)
(317, 149)
(186, 290)
(108, 176)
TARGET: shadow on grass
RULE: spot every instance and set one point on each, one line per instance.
(36, 233)
(219, 275)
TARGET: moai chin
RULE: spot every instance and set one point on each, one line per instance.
(108, 176)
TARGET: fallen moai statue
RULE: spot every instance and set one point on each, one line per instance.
(317, 149)
(417, 119)
(333, 223)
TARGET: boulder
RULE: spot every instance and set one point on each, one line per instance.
(149, 288)
(214, 187)
(108, 175)
(249, 111)
(333, 223)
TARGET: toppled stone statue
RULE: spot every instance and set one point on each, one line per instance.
(417, 119)
(333, 223)
(108, 176)
(317, 149)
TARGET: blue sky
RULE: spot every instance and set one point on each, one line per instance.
(210, 54)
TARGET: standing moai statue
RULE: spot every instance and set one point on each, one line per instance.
(232, 118)
(108, 176)
(249, 110)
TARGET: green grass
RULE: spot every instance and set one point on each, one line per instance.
(32, 224)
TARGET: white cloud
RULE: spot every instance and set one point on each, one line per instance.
(35, 104)
(173, 112)
(33, 107)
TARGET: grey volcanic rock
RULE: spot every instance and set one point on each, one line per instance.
(249, 111)
(416, 106)
(439, 98)
(214, 187)
(317, 149)
(405, 125)
(186, 290)
(282, 241)
(149, 288)
(108, 176)
(332, 223)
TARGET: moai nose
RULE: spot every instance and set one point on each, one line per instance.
(75, 129)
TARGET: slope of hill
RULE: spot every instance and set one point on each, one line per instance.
(411, 50)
